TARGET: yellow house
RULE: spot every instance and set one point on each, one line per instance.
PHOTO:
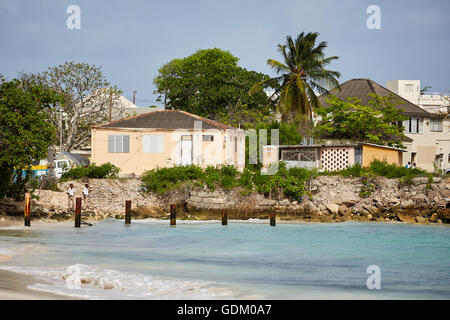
(166, 138)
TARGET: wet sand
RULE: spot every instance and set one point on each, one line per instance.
(13, 286)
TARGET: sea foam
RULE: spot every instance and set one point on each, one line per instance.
(98, 283)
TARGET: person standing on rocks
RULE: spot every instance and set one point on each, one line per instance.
(86, 196)
(70, 195)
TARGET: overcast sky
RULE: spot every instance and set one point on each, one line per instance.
(132, 39)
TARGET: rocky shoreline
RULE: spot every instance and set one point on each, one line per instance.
(333, 199)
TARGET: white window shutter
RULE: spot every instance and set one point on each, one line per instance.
(153, 143)
(406, 126)
(178, 153)
(146, 143)
(420, 125)
(159, 139)
(413, 125)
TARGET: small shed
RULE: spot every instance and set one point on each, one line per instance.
(332, 157)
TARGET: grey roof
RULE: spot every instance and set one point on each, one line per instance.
(75, 158)
(360, 88)
(165, 119)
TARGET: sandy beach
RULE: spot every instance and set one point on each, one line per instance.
(13, 286)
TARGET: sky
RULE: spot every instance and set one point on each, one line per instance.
(131, 40)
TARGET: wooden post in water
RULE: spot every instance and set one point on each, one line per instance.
(78, 212)
(173, 214)
(224, 217)
(27, 209)
(272, 219)
(128, 212)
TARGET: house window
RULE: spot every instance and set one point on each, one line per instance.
(235, 144)
(436, 125)
(413, 125)
(153, 143)
(409, 88)
(118, 144)
(208, 137)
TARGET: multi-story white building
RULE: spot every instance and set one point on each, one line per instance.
(435, 135)
(428, 144)
(435, 102)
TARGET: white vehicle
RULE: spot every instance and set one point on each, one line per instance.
(66, 160)
(61, 166)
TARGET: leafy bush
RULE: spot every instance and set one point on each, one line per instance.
(286, 182)
(378, 168)
(161, 180)
(106, 170)
(382, 168)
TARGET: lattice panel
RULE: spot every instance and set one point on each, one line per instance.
(334, 159)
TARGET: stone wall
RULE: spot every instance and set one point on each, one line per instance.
(333, 199)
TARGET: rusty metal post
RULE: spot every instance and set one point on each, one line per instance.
(272, 219)
(173, 214)
(78, 212)
(128, 212)
(224, 217)
(27, 209)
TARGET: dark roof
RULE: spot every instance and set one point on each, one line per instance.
(165, 119)
(360, 88)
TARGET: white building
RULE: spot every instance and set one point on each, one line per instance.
(434, 102)
(435, 136)
(428, 134)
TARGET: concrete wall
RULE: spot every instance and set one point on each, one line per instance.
(221, 150)
(369, 153)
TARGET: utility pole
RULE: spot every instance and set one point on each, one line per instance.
(110, 105)
(60, 130)
(134, 96)
(50, 161)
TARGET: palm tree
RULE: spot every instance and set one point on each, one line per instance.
(303, 74)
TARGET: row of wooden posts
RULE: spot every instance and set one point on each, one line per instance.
(173, 213)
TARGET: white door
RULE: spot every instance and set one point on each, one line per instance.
(186, 150)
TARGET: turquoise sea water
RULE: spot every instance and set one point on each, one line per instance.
(204, 260)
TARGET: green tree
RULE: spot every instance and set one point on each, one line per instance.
(87, 99)
(303, 74)
(25, 131)
(379, 122)
(209, 83)
(244, 117)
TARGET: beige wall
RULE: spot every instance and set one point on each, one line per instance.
(373, 152)
(220, 151)
(427, 144)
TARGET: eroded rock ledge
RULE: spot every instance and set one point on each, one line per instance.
(334, 199)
